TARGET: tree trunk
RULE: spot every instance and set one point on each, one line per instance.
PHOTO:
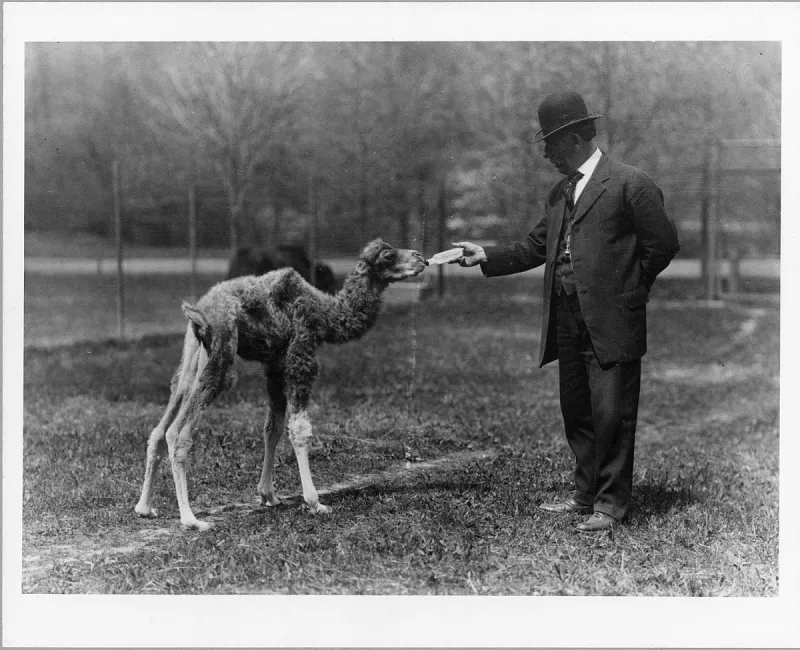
(253, 233)
(402, 215)
(364, 206)
(277, 209)
(705, 206)
(192, 243)
(233, 225)
(119, 236)
(441, 231)
(608, 68)
(312, 231)
(45, 79)
(363, 199)
(422, 212)
(705, 209)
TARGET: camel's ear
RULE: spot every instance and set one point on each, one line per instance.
(372, 251)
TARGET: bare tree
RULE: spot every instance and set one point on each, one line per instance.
(376, 125)
(227, 102)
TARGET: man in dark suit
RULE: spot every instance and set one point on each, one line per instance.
(603, 239)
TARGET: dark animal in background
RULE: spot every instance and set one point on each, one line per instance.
(249, 261)
(295, 256)
(279, 320)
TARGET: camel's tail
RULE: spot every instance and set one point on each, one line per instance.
(200, 324)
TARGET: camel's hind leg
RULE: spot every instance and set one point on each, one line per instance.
(156, 450)
(179, 441)
(273, 429)
(157, 444)
(213, 375)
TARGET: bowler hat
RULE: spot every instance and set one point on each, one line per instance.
(559, 111)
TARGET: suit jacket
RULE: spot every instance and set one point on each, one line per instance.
(621, 240)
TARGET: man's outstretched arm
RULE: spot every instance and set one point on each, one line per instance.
(505, 260)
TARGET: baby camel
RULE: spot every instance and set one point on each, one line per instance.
(279, 320)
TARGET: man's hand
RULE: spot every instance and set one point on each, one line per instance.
(473, 254)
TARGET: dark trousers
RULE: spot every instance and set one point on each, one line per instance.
(599, 406)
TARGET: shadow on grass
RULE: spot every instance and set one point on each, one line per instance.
(446, 484)
(652, 500)
(339, 497)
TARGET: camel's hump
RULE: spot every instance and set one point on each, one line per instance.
(272, 283)
(286, 284)
(278, 287)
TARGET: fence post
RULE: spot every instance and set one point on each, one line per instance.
(192, 244)
(734, 270)
(442, 222)
(312, 232)
(118, 231)
(705, 201)
(712, 289)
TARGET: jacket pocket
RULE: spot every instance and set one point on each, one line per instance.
(635, 299)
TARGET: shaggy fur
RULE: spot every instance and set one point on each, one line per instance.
(279, 320)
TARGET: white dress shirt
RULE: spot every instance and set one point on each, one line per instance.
(587, 169)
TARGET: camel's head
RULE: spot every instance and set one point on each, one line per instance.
(390, 264)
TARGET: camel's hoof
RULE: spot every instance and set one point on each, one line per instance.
(270, 500)
(143, 511)
(319, 509)
(202, 526)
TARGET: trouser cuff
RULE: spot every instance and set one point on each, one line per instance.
(616, 513)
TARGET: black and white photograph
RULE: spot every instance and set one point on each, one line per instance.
(405, 324)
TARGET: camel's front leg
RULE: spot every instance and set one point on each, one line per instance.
(300, 434)
(300, 371)
(273, 429)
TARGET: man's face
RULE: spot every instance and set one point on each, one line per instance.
(558, 150)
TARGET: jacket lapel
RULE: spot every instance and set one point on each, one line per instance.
(594, 188)
(558, 211)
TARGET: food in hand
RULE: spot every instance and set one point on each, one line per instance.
(445, 257)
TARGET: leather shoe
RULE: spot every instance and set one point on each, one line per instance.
(598, 521)
(567, 505)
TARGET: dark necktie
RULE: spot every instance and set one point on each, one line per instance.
(569, 194)
(569, 189)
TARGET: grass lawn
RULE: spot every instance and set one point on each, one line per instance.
(65, 308)
(458, 432)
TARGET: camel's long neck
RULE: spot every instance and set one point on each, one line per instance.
(355, 308)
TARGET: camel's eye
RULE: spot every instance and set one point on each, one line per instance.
(387, 255)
